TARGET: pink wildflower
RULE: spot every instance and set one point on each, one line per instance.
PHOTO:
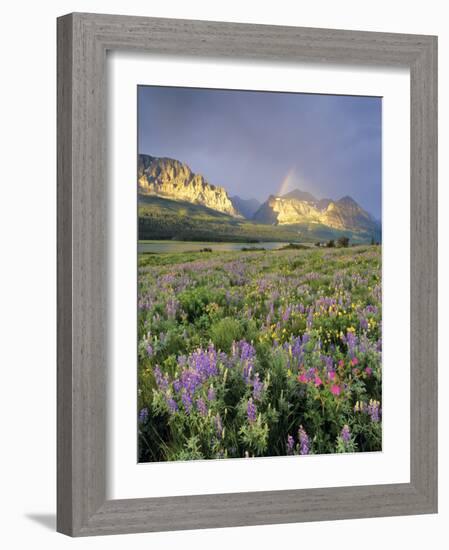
(335, 390)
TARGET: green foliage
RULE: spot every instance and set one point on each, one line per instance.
(343, 242)
(255, 437)
(224, 332)
(195, 301)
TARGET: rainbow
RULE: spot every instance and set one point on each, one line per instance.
(287, 183)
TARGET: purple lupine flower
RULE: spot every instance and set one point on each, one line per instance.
(290, 444)
(190, 380)
(211, 394)
(297, 349)
(286, 314)
(351, 341)
(247, 370)
(373, 410)
(243, 351)
(204, 362)
(257, 388)
(303, 441)
(143, 415)
(346, 434)
(171, 404)
(161, 380)
(171, 308)
(328, 363)
(247, 351)
(363, 323)
(187, 402)
(145, 303)
(150, 350)
(251, 411)
(201, 406)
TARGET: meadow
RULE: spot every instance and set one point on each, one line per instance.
(259, 353)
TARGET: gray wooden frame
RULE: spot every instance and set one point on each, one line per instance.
(83, 40)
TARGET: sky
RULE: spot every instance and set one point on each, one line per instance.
(257, 144)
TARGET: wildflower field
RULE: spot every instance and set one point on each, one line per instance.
(259, 353)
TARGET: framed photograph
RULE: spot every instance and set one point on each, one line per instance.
(247, 274)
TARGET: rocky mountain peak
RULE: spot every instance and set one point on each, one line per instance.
(347, 201)
(299, 195)
(170, 178)
(300, 207)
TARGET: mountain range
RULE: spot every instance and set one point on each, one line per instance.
(170, 185)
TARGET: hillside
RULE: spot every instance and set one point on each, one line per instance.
(161, 218)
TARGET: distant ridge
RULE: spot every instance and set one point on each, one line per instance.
(247, 207)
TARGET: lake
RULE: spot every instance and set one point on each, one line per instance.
(191, 246)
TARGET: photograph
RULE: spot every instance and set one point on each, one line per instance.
(259, 291)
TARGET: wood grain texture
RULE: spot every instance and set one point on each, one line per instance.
(423, 274)
(83, 40)
(64, 276)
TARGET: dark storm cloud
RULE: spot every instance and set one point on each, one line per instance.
(252, 142)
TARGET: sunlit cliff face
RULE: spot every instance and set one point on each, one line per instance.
(173, 179)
